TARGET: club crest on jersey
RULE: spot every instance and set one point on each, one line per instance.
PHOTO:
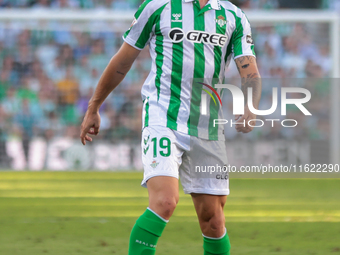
(154, 164)
(176, 16)
(133, 22)
(221, 21)
(250, 39)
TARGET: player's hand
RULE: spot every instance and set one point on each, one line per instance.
(244, 121)
(90, 125)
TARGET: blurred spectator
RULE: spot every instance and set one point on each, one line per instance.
(97, 59)
(89, 81)
(23, 60)
(66, 55)
(4, 127)
(46, 53)
(8, 70)
(68, 88)
(83, 46)
(4, 84)
(65, 4)
(11, 103)
(55, 70)
(26, 121)
(25, 92)
(292, 60)
(41, 4)
(4, 3)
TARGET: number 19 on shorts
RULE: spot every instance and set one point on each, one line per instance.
(161, 147)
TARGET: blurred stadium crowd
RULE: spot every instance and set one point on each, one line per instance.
(48, 76)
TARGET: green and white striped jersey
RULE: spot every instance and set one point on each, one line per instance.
(187, 44)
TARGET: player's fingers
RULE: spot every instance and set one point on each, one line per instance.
(241, 129)
(96, 130)
(237, 117)
(248, 128)
(82, 139)
(83, 133)
(87, 138)
(93, 131)
(240, 123)
(250, 123)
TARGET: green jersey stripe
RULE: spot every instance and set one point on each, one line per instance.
(145, 35)
(253, 49)
(159, 57)
(238, 32)
(177, 70)
(146, 120)
(221, 18)
(229, 50)
(199, 70)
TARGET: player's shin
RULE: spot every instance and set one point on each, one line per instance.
(144, 235)
(216, 246)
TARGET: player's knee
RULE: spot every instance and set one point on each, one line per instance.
(167, 206)
(217, 224)
(213, 222)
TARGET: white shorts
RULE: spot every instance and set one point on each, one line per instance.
(198, 162)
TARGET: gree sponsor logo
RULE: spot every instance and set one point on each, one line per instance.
(177, 35)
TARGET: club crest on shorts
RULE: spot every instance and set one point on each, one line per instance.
(154, 164)
(221, 21)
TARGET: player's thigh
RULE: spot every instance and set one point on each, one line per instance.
(163, 192)
(203, 169)
(210, 214)
(208, 206)
(161, 153)
(162, 156)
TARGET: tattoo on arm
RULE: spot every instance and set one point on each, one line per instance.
(120, 73)
(244, 62)
(241, 60)
(252, 81)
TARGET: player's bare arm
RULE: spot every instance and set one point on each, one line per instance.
(114, 73)
(251, 78)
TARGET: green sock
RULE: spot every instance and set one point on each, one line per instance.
(145, 233)
(216, 246)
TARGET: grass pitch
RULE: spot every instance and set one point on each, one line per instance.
(93, 213)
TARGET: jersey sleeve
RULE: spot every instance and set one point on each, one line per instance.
(242, 40)
(141, 30)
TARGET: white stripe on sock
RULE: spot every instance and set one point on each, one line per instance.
(216, 238)
(157, 215)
